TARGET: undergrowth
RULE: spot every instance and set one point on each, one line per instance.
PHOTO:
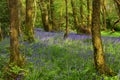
(59, 59)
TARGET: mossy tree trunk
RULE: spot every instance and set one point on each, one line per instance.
(60, 19)
(99, 58)
(103, 6)
(34, 11)
(89, 14)
(15, 57)
(81, 14)
(118, 6)
(75, 16)
(19, 15)
(118, 12)
(66, 30)
(53, 19)
(45, 15)
(82, 27)
(29, 21)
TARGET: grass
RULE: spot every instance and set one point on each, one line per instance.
(59, 59)
(109, 33)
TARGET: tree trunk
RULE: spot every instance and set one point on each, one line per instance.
(82, 28)
(53, 20)
(118, 11)
(118, 6)
(15, 57)
(81, 14)
(103, 5)
(99, 60)
(89, 14)
(60, 19)
(34, 12)
(74, 10)
(29, 22)
(66, 32)
(45, 16)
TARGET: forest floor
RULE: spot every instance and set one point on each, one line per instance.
(51, 57)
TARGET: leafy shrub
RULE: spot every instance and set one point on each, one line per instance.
(117, 27)
(4, 18)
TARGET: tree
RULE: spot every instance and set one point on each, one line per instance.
(66, 31)
(34, 12)
(19, 15)
(74, 11)
(29, 21)
(53, 20)
(15, 58)
(4, 18)
(89, 14)
(82, 27)
(44, 14)
(103, 5)
(118, 6)
(99, 60)
(60, 18)
(118, 11)
(81, 14)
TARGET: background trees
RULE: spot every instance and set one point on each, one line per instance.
(117, 5)
(103, 12)
(75, 15)
(29, 20)
(4, 18)
(66, 31)
(44, 15)
(51, 14)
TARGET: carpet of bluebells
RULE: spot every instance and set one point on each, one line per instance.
(51, 57)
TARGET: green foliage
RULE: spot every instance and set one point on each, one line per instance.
(12, 71)
(15, 69)
(66, 61)
(108, 33)
(4, 17)
(109, 23)
(55, 59)
(117, 27)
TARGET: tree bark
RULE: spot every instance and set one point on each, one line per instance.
(34, 12)
(82, 27)
(74, 10)
(118, 6)
(81, 14)
(103, 5)
(45, 16)
(118, 11)
(66, 31)
(29, 21)
(53, 20)
(99, 60)
(89, 14)
(15, 58)
(60, 19)
(19, 15)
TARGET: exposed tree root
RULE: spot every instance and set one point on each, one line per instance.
(104, 69)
